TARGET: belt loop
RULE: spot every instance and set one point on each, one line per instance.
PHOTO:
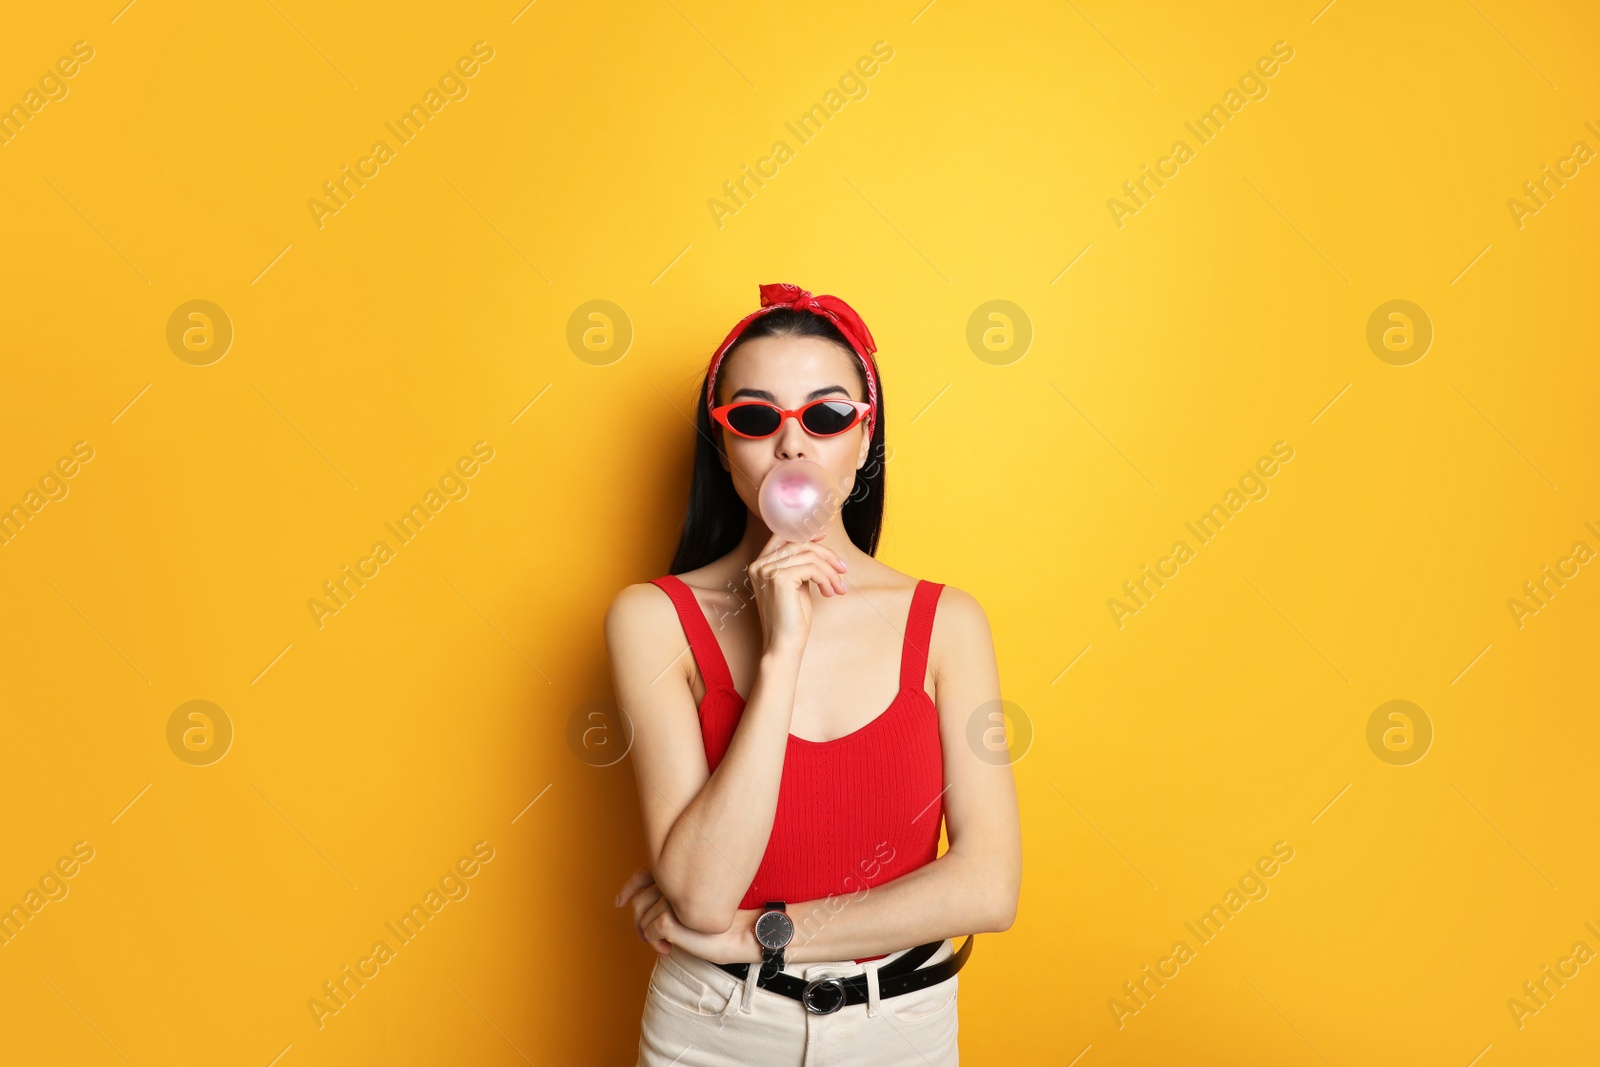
(872, 989)
(747, 1002)
(735, 1000)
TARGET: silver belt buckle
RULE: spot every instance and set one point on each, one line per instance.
(828, 1008)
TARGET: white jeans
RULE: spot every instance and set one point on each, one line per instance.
(698, 1015)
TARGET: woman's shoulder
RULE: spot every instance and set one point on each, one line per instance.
(640, 614)
(961, 646)
(959, 623)
(958, 619)
(653, 606)
(960, 627)
(953, 600)
(957, 601)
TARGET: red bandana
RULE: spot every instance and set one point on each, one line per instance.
(841, 314)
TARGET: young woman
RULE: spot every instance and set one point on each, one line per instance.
(794, 767)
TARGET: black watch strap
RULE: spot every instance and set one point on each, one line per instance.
(772, 960)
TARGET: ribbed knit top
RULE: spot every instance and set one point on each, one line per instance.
(855, 811)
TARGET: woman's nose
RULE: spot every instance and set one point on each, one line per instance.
(792, 439)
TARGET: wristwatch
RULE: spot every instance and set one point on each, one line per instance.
(774, 931)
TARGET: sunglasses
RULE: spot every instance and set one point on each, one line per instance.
(756, 419)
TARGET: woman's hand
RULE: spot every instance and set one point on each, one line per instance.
(658, 926)
(737, 944)
(783, 599)
(641, 889)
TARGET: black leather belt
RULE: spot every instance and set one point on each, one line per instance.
(823, 996)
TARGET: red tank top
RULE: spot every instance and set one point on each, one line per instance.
(855, 811)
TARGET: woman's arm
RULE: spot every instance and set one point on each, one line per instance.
(972, 888)
(950, 897)
(706, 831)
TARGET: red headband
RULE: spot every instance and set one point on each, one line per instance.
(831, 307)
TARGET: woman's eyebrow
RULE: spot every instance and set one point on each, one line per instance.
(762, 394)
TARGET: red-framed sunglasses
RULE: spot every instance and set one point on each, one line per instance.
(756, 419)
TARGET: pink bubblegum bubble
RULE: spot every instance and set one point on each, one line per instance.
(798, 500)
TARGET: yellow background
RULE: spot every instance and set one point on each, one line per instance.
(1229, 313)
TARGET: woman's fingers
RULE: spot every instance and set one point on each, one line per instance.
(765, 566)
(640, 878)
(813, 569)
(826, 578)
(826, 556)
(652, 913)
(641, 891)
(643, 901)
(660, 932)
(793, 567)
(786, 549)
(656, 924)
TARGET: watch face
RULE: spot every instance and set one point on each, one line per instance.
(774, 929)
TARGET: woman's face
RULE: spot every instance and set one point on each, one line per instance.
(790, 372)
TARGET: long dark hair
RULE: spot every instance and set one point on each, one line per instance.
(715, 519)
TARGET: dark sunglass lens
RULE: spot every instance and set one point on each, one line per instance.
(756, 420)
(829, 417)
